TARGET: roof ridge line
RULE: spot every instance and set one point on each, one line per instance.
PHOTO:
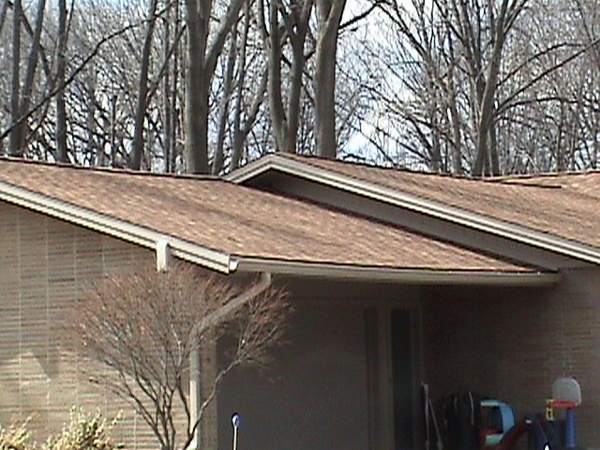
(491, 179)
(110, 170)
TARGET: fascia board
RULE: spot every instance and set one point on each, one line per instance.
(426, 207)
(403, 276)
(254, 168)
(114, 227)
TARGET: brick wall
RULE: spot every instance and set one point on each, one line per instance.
(512, 344)
(45, 264)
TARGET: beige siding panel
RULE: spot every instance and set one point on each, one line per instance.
(45, 264)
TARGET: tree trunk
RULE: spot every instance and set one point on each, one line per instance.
(455, 120)
(436, 153)
(329, 13)
(174, 123)
(290, 139)
(15, 139)
(238, 139)
(167, 147)
(202, 61)
(274, 67)
(61, 113)
(196, 124)
(456, 138)
(499, 28)
(241, 133)
(30, 74)
(113, 131)
(95, 152)
(142, 100)
(219, 156)
(285, 120)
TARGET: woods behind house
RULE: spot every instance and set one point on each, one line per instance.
(201, 86)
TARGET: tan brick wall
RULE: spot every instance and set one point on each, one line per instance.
(45, 264)
(512, 344)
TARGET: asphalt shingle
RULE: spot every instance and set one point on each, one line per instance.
(565, 205)
(245, 222)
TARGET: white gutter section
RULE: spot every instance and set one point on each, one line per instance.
(136, 234)
(403, 276)
(163, 255)
(420, 205)
(196, 401)
(225, 263)
(163, 260)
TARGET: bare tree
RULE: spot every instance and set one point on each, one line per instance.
(140, 113)
(146, 325)
(470, 81)
(61, 67)
(329, 14)
(202, 60)
(241, 129)
(219, 156)
(32, 62)
(501, 22)
(285, 23)
(14, 149)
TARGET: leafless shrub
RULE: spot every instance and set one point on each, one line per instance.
(146, 324)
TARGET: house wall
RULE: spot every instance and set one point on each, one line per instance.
(314, 393)
(318, 392)
(45, 265)
(512, 344)
(506, 343)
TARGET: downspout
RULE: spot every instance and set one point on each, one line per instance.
(195, 366)
(163, 259)
(163, 255)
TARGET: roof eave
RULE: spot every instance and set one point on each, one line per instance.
(423, 206)
(254, 168)
(397, 275)
(111, 226)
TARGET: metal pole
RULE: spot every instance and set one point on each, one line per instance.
(235, 421)
(195, 397)
(570, 429)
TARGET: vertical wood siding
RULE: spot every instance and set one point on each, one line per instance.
(45, 264)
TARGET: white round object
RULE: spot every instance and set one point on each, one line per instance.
(566, 389)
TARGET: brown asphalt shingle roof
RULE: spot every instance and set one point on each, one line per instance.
(562, 205)
(242, 221)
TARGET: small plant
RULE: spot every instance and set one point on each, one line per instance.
(84, 432)
(16, 438)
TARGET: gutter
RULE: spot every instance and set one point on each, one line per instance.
(136, 234)
(228, 264)
(197, 403)
(419, 205)
(402, 276)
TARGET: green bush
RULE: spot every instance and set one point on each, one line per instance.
(84, 432)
